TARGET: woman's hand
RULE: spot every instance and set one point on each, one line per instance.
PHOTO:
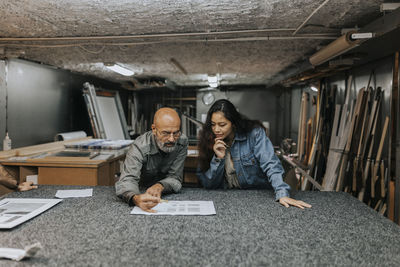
(219, 148)
(287, 201)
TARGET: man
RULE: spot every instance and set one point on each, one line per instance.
(155, 161)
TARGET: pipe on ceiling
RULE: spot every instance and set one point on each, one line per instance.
(383, 25)
(93, 38)
(238, 39)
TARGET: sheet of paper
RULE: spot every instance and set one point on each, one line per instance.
(74, 193)
(19, 254)
(180, 208)
(32, 178)
(14, 211)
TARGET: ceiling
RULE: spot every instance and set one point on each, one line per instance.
(184, 41)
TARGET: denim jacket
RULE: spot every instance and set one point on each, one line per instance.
(255, 163)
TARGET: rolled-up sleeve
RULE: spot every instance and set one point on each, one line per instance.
(128, 184)
(270, 164)
(173, 180)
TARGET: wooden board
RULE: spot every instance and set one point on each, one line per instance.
(67, 176)
(38, 149)
(391, 200)
(302, 125)
(72, 160)
(395, 144)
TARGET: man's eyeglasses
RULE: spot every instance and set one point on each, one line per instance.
(166, 134)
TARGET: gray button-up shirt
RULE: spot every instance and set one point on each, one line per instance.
(146, 165)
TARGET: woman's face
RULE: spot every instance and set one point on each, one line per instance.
(221, 126)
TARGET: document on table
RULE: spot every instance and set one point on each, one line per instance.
(14, 211)
(20, 254)
(74, 193)
(180, 208)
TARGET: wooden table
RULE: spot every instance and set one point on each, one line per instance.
(73, 170)
(68, 171)
(190, 167)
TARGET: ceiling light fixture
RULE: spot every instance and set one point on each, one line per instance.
(213, 85)
(212, 81)
(313, 88)
(119, 69)
(389, 6)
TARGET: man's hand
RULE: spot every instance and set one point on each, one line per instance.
(26, 186)
(146, 201)
(287, 201)
(155, 190)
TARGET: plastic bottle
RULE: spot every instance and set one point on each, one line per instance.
(6, 143)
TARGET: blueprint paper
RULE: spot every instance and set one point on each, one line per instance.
(74, 193)
(180, 208)
(14, 211)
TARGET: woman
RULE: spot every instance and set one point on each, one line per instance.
(235, 152)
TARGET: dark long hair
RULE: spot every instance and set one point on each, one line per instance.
(240, 125)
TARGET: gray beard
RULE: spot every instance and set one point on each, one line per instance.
(163, 147)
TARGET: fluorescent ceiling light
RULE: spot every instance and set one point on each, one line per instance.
(119, 69)
(212, 79)
(389, 6)
(315, 89)
(213, 85)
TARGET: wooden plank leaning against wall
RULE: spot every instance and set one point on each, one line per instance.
(351, 150)
(394, 154)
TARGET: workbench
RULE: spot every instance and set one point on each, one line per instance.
(69, 171)
(249, 229)
(83, 171)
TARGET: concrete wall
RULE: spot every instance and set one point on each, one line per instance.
(42, 101)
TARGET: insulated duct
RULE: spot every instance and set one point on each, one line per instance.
(334, 49)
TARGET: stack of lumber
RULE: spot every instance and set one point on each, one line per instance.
(347, 151)
(316, 158)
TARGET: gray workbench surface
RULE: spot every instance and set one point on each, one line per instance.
(250, 229)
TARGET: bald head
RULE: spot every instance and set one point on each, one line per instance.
(165, 128)
(166, 117)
